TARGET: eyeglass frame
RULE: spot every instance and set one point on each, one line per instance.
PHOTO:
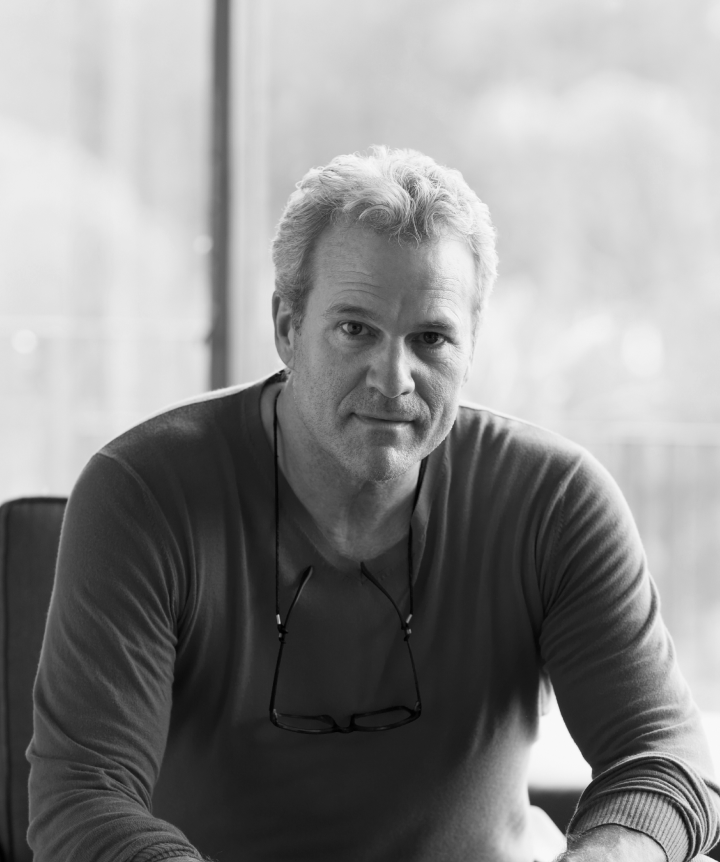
(333, 727)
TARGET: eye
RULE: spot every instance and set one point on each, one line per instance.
(353, 329)
(432, 339)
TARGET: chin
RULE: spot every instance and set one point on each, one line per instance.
(383, 466)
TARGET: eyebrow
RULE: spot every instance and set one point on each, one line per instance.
(342, 309)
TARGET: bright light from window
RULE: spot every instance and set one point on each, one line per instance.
(643, 351)
(25, 341)
(713, 19)
(202, 244)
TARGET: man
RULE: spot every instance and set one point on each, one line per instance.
(314, 617)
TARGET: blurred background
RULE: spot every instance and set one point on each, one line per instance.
(590, 127)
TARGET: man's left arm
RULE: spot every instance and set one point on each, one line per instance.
(616, 678)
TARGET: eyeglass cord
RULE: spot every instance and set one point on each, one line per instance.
(282, 631)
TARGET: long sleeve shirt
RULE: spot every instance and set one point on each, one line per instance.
(152, 738)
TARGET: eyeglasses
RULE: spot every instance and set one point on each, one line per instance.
(376, 720)
(379, 719)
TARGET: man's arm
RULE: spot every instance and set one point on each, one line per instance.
(103, 692)
(615, 843)
(617, 682)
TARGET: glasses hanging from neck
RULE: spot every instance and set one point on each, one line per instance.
(387, 718)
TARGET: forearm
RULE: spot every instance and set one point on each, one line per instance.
(611, 843)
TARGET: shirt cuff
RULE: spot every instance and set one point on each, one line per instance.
(163, 852)
(649, 813)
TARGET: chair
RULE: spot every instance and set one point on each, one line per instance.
(29, 537)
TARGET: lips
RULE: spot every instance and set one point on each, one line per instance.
(390, 411)
(389, 419)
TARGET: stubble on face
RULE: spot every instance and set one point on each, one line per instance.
(339, 387)
(329, 416)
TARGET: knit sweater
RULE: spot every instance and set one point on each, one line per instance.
(152, 738)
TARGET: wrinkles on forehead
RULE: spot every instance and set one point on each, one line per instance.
(423, 307)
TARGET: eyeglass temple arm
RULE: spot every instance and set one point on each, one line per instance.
(282, 631)
(282, 627)
(404, 624)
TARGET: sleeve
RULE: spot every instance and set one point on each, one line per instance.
(103, 692)
(615, 674)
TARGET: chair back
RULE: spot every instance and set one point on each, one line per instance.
(29, 537)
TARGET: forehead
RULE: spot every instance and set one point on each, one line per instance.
(355, 264)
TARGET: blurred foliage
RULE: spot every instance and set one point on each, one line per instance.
(592, 130)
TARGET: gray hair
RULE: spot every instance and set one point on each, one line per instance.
(399, 193)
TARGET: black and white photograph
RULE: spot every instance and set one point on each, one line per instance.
(359, 430)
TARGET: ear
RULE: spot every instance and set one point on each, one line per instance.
(284, 331)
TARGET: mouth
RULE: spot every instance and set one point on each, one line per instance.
(383, 421)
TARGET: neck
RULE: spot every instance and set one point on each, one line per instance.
(359, 518)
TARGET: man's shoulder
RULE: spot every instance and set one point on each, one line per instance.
(510, 456)
(179, 465)
(207, 422)
(482, 428)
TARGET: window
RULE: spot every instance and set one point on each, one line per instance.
(104, 111)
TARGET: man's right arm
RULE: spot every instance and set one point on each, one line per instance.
(103, 693)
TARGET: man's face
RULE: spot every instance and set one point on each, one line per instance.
(383, 350)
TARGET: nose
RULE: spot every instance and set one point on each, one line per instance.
(390, 371)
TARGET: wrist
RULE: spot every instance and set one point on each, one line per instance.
(612, 843)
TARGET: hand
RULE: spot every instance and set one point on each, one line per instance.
(612, 843)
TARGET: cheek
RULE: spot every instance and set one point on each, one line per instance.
(442, 392)
(338, 372)
(327, 384)
(448, 375)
